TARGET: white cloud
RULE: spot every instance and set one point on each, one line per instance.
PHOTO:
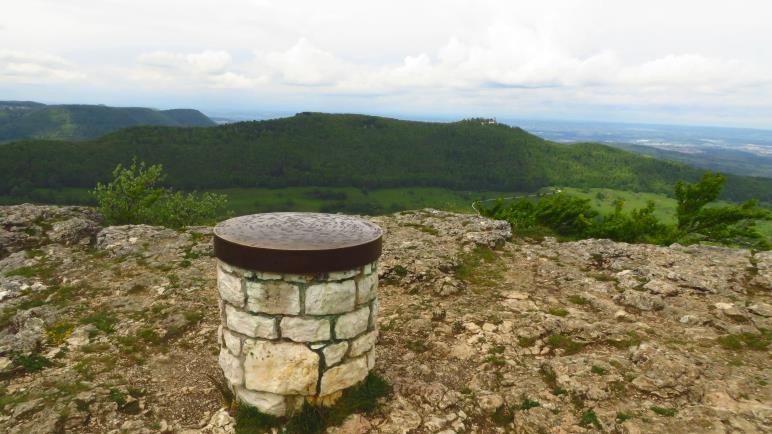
(35, 67)
(205, 62)
(305, 64)
(483, 56)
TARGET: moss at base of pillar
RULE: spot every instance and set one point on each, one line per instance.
(362, 398)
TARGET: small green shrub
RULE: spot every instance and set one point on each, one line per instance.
(598, 370)
(30, 363)
(527, 404)
(58, 333)
(622, 416)
(134, 197)
(590, 418)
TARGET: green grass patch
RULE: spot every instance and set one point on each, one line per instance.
(746, 341)
(30, 363)
(622, 416)
(664, 411)
(362, 398)
(578, 299)
(423, 228)
(590, 418)
(557, 311)
(527, 404)
(474, 268)
(102, 320)
(632, 339)
(565, 343)
(598, 370)
(43, 271)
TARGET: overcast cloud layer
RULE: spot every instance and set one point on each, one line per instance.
(704, 62)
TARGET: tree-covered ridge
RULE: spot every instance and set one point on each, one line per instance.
(312, 149)
(21, 120)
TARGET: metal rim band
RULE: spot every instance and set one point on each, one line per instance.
(297, 261)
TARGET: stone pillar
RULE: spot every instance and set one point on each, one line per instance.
(296, 326)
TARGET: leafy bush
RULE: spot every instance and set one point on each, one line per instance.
(134, 197)
(730, 224)
(698, 218)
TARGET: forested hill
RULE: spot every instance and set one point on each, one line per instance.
(312, 149)
(23, 120)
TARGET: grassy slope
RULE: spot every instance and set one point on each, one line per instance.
(252, 200)
(665, 206)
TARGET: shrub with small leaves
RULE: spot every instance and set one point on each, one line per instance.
(135, 197)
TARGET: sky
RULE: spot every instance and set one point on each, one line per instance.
(677, 62)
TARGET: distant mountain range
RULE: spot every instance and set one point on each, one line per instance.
(24, 120)
(317, 149)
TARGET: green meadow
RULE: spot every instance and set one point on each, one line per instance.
(378, 201)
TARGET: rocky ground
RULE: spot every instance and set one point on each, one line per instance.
(113, 329)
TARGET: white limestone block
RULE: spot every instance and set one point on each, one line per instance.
(231, 367)
(376, 307)
(230, 288)
(245, 323)
(343, 376)
(364, 343)
(301, 329)
(268, 403)
(334, 353)
(371, 359)
(275, 297)
(353, 323)
(342, 275)
(232, 342)
(330, 298)
(285, 368)
(367, 287)
(299, 278)
(267, 276)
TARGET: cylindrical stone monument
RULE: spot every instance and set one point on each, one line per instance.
(298, 301)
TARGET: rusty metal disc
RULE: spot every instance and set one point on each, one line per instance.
(296, 242)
